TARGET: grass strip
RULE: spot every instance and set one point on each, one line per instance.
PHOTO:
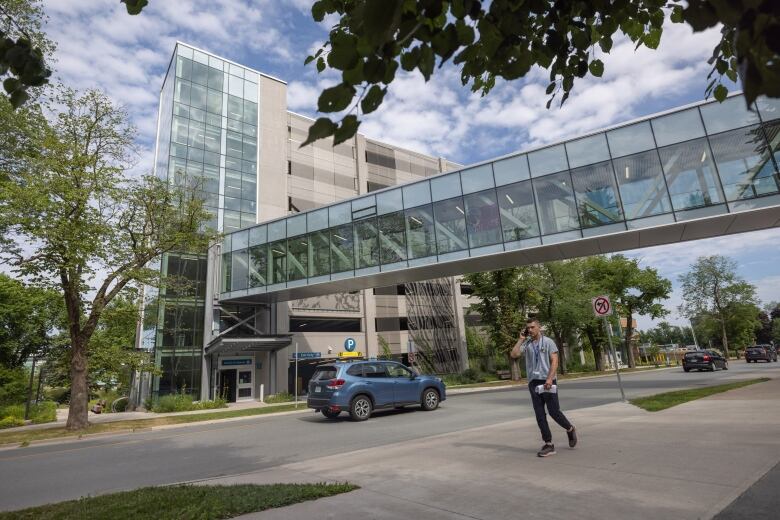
(560, 377)
(657, 402)
(10, 437)
(187, 501)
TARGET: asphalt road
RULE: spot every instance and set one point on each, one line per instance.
(46, 473)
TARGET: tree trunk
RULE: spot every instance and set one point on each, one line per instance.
(594, 344)
(514, 367)
(629, 332)
(561, 353)
(725, 339)
(78, 417)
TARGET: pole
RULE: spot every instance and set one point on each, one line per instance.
(29, 392)
(694, 336)
(614, 358)
(296, 374)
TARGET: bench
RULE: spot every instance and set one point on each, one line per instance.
(504, 374)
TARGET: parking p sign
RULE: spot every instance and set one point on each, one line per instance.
(350, 344)
(601, 306)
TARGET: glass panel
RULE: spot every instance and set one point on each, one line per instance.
(630, 139)
(240, 270)
(772, 132)
(258, 266)
(732, 113)
(183, 68)
(549, 160)
(744, 163)
(342, 251)
(340, 214)
(366, 243)
(296, 225)
(588, 150)
(445, 186)
(596, 192)
(181, 92)
(317, 220)
(417, 194)
(257, 235)
(690, 175)
(297, 258)
(677, 127)
(180, 130)
(482, 220)
(555, 199)
(511, 170)
(768, 108)
(642, 185)
(235, 108)
(450, 221)
(392, 238)
(200, 73)
(319, 253)
(214, 101)
(421, 238)
(250, 112)
(477, 179)
(226, 272)
(198, 98)
(518, 212)
(365, 202)
(389, 201)
(215, 79)
(277, 252)
(240, 240)
(250, 91)
(277, 230)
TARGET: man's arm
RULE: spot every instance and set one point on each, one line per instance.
(553, 370)
(517, 350)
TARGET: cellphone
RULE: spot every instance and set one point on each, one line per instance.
(526, 332)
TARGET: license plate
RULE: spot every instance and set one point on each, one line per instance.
(317, 389)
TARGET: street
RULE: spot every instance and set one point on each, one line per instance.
(52, 472)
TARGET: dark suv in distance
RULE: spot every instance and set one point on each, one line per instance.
(763, 352)
(360, 387)
(704, 360)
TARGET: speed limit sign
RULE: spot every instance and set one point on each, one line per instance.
(601, 306)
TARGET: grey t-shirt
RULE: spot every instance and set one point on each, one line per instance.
(537, 357)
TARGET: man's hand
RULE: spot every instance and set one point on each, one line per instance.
(548, 384)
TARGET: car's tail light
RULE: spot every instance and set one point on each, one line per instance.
(335, 384)
(707, 358)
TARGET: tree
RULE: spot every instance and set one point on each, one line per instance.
(506, 39)
(504, 299)
(29, 317)
(80, 225)
(713, 288)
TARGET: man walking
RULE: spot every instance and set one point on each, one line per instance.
(541, 365)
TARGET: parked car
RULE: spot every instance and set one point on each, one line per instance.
(704, 360)
(760, 352)
(361, 387)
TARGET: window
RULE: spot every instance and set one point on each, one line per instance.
(482, 220)
(596, 192)
(366, 243)
(245, 377)
(356, 370)
(392, 238)
(450, 222)
(324, 373)
(302, 324)
(518, 212)
(297, 258)
(744, 163)
(677, 127)
(642, 185)
(588, 150)
(548, 160)
(555, 199)
(278, 260)
(392, 290)
(391, 324)
(289, 166)
(258, 266)
(419, 232)
(374, 370)
(240, 270)
(690, 175)
(319, 255)
(397, 370)
(342, 251)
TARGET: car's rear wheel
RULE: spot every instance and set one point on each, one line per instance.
(725, 365)
(430, 399)
(713, 368)
(360, 409)
(330, 414)
(686, 369)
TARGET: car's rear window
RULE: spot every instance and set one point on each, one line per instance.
(324, 373)
(694, 354)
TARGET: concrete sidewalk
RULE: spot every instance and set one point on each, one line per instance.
(688, 462)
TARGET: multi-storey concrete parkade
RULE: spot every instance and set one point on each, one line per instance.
(698, 171)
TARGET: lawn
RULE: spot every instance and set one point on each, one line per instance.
(8, 437)
(657, 402)
(188, 501)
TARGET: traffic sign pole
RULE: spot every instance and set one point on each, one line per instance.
(296, 374)
(614, 358)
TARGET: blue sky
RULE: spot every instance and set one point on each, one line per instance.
(100, 46)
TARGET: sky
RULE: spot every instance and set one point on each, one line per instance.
(100, 46)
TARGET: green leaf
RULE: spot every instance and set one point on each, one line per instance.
(342, 56)
(18, 97)
(379, 19)
(322, 128)
(550, 88)
(410, 59)
(320, 64)
(606, 44)
(721, 66)
(373, 99)
(427, 61)
(335, 99)
(596, 67)
(11, 85)
(354, 76)
(653, 38)
(677, 14)
(134, 6)
(720, 93)
(320, 9)
(346, 130)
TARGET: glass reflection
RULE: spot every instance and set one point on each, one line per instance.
(392, 238)
(677, 127)
(450, 224)
(319, 253)
(277, 252)
(342, 250)
(690, 175)
(596, 193)
(420, 236)
(258, 266)
(482, 220)
(732, 113)
(548, 160)
(297, 258)
(630, 139)
(240, 269)
(518, 212)
(511, 170)
(555, 199)
(744, 163)
(642, 186)
(366, 243)
(588, 150)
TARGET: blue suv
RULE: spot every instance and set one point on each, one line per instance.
(364, 386)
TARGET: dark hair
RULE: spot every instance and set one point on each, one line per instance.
(532, 320)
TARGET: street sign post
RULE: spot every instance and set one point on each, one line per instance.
(296, 374)
(602, 308)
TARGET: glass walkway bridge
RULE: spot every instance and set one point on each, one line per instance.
(699, 171)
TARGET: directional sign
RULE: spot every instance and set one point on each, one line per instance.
(601, 306)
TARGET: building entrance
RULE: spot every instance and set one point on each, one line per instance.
(227, 384)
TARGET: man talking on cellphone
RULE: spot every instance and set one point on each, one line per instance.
(541, 365)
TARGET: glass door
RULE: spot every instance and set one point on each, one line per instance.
(245, 383)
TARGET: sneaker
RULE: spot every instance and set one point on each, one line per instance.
(547, 450)
(572, 434)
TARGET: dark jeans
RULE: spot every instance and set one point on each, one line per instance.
(553, 408)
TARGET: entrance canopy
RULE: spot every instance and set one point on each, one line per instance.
(221, 345)
(695, 172)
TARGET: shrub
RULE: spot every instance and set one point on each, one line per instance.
(13, 385)
(281, 397)
(183, 403)
(58, 394)
(10, 422)
(42, 412)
